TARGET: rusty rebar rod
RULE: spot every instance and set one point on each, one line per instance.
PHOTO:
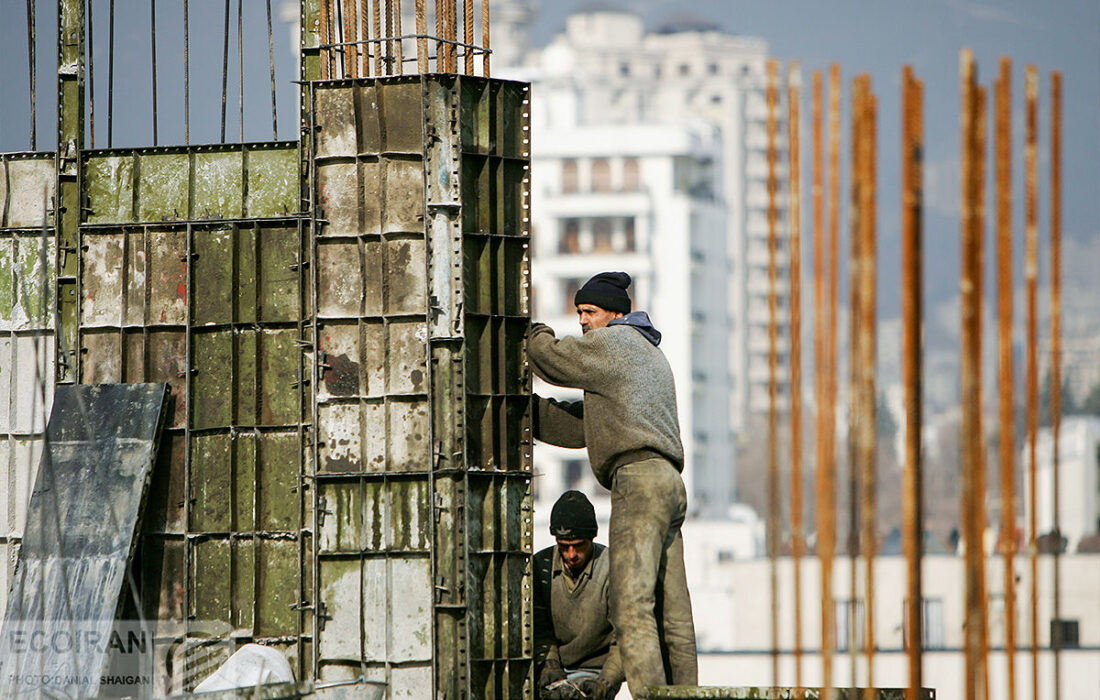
(1031, 278)
(380, 48)
(240, 70)
(820, 372)
(90, 14)
(773, 361)
(33, 69)
(1056, 351)
(1007, 453)
(186, 72)
(271, 63)
(153, 52)
(111, 74)
(421, 39)
(440, 55)
(855, 396)
(485, 37)
(398, 46)
(912, 521)
(351, 57)
(468, 33)
(794, 216)
(981, 478)
(867, 422)
(225, 67)
(827, 538)
(970, 383)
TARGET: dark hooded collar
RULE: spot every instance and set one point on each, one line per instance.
(639, 321)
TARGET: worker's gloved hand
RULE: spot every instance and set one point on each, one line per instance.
(595, 689)
(552, 672)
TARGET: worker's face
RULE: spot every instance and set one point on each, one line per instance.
(575, 554)
(592, 316)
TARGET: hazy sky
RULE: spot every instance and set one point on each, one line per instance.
(879, 37)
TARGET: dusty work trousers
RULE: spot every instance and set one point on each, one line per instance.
(650, 604)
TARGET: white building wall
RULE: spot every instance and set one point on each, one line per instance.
(1078, 476)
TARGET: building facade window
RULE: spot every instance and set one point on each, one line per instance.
(629, 245)
(602, 241)
(569, 176)
(601, 175)
(849, 624)
(631, 175)
(569, 290)
(574, 472)
(932, 631)
(570, 240)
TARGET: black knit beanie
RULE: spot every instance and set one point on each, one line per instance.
(573, 517)
(606, 290)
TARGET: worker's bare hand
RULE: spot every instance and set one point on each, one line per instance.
(563, 690)
(595, 689)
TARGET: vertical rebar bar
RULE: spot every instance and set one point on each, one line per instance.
(485, 37)
(225, 66)
(111, 74)
(868, 421)
(1031, 278)
(88, 12)
(186, 72)
(912, 520)
(827, 538)
(271, 62)
(794, 216)
(399, 48)
(855, 396)
(970, 383)
(773, 361)
(240, 68)
(468, 34)
(31, 46)
(981, 457)
(379, 31)
(820, 366)
(421, 41)
(153, 51)
(351, 58)
(368, 48)
(326, 38)
(1056, 352)
(440, 52)
(389, 34)
(1007, 453)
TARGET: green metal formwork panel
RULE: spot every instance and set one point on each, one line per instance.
(28, 251)
(191, 274)
(422, 441)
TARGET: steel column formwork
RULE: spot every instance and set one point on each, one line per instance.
(422, 452)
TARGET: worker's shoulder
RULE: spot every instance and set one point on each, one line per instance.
(545, 556)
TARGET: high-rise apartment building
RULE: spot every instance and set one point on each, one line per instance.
(649, 155)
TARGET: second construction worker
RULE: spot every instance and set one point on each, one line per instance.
(628, 422)
(575, 651)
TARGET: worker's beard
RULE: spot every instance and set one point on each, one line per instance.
(585, 328)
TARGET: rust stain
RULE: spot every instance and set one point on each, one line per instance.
(342, 376)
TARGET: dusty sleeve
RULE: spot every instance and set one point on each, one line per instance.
(570, 362)
(546, 644)
(559, 423)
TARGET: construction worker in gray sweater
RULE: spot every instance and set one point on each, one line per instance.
(575, 651)
(628, 422)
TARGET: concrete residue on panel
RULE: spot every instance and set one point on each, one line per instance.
(30, 191)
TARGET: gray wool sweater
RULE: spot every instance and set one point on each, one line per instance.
(629, 408)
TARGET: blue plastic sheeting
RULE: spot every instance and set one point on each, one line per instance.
(83, 516)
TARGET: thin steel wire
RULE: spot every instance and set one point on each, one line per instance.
(186, 72)
(1031, 277)
(773, 362)
(225, 66)
(1056, 352)
(271, 62)
(794, 199)
(1007, 453)
(111, 74)
(240, 69)
(153, 51)
(31, 46)
(91, 71)
(912, 327)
